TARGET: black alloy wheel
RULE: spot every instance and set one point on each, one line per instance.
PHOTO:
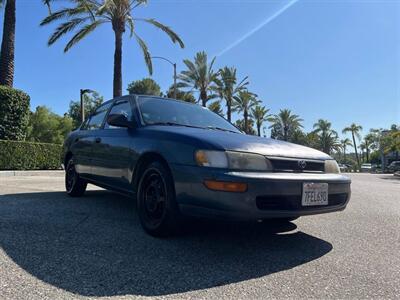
(74, 185)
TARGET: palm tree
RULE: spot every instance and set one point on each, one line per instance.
(284, 123)
(8, 44)
(260, 115)
(87, 15)
(327, 137)
(216, 107)
(369, 141)
(344, 143)
(199, 76)
(244, 102)
(227, 87)
(355, 132)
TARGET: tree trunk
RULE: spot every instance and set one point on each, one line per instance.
(246, 121)
(8, 45)
(344, 155)
(355, 148)
(117, 85)
(285, 133)
(259, 129)
(203, 97)
(229, 109)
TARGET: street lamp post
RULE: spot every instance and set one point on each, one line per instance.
(83, 92)
(174, 65)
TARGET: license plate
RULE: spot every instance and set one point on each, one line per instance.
(314, 194)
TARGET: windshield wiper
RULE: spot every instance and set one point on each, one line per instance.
(173, 124)
(220, 128)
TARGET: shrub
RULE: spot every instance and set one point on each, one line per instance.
(16, 155)
(14, 113)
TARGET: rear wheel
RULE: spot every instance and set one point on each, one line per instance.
(157, 208)
(74, 185)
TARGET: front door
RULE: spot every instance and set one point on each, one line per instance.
(113, 154)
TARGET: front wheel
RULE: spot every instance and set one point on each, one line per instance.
(157, 208)
(286, 219)
(74, 185)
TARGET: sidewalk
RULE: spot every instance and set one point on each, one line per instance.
(52, 173)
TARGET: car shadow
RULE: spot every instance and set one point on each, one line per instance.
(390, 177)
(94, 246)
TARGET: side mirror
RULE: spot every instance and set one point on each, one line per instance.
(119, 120)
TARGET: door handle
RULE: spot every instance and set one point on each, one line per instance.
(97, 140)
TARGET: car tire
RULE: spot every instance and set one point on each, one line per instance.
(74, 185)
(157, 208)
(286, 219)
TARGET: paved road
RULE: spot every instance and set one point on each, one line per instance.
(52, 246)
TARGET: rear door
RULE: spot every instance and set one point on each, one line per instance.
(89, 139)
(82, 149)
(114, 155)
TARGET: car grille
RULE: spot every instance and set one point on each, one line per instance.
(293, 165)
(293, 202)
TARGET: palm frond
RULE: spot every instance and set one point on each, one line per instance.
(63, 13)
(172, 35)
(131, 25)
(64, 28)
(82, 33)
(146, 53)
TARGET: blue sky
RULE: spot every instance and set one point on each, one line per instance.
(338, 60)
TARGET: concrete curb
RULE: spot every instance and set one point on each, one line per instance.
(51, 173)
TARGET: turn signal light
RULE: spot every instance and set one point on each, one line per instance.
(225, 186)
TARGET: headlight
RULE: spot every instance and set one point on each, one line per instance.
(232, 160)
(331, 166)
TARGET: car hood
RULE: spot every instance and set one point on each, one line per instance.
(247, 143)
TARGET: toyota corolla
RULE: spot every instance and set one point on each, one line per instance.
(179, 159)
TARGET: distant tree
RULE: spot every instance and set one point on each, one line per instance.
(216, 107)
(343, 144)
(391, 141)
(328, 138)
(199, 76)
(145, 86)
(284, 124)
(181, 95)
(312, 139)
(367, 144)
(244, 102)
(86, 15)
(227, 87)
(48, 127)
(90, 102)
(354, 129)
(249, 130)
(260, 115)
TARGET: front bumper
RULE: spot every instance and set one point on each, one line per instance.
(269, 195)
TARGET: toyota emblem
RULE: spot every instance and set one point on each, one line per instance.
(302, 164)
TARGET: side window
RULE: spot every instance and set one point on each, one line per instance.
(84, 126)
(97, 118)
(121, 107)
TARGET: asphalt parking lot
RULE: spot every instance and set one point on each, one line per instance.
(53, 246)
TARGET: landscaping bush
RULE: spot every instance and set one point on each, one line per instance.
(17, 155)
(14, 113)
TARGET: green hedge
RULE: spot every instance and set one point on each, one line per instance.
(14, 114)
(17, 155)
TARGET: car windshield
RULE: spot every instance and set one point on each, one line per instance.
(162, 111)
